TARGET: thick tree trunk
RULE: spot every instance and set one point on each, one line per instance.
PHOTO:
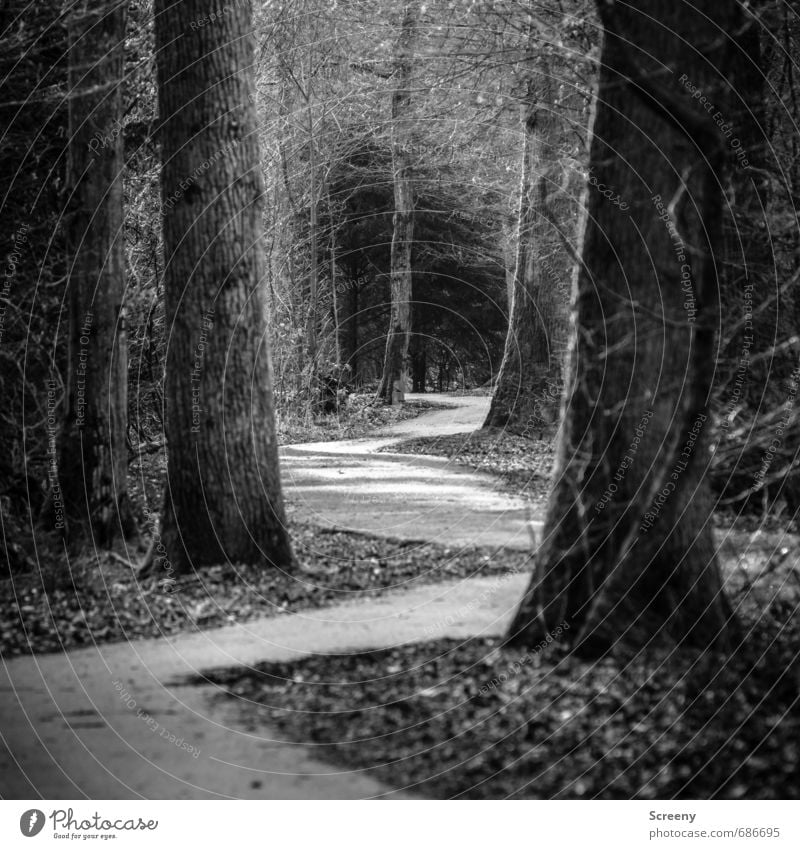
(627, 552)
(521, 400)
(396, 363)
(93, 456)
(223, 499)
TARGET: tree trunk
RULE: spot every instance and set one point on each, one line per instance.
(93, 455)
(290, 237)
(223, 498)
(348, 330)
(530, 363)
(337, 341)
(396, 365)
(419, 363)
(313, 307)
(627, 553)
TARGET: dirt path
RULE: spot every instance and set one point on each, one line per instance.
(349, 485)
(122, 720)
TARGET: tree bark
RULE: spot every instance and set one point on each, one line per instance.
(313, 307)
(223, 497)
(521, 401)
(396, 363)
(348, 331)
(93, 456)
(334, 276)
(419, 363)
(627, 553)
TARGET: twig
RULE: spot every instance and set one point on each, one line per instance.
(120, 559)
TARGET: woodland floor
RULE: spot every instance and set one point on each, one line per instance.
(427, 718)
(377, 670)
(92, 604)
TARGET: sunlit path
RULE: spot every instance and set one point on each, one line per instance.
(349, 485)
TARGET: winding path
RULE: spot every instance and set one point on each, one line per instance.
(350, 485)
(122, 721)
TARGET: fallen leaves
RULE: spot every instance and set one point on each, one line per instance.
(420, 717)
(103, 601)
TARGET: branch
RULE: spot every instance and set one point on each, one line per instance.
(363, 68)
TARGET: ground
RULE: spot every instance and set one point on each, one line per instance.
(385, 675)
(361, 485)
(117, 719)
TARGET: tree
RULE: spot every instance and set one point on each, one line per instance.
(553, 106)
(627, 552)
(93, 456)
(530, 365)
(223, 498)
(396, 363)
(346, 78)
(33, 356)
(301, 42)
(459, 279)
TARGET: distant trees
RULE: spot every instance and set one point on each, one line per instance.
(300, 51)
(627, 552)
(523, 396)
(552, 107)
(93, 457)
(459, 286)
(396, 369)
(223, 499)
(331, 184)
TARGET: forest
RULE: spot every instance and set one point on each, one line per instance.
(410, 386)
